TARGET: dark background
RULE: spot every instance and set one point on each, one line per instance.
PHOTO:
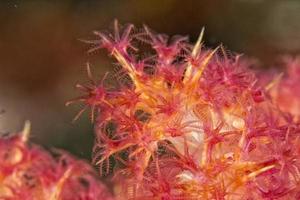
(41, 58)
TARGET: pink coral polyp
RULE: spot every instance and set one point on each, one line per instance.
(286, 93)
(31, 173)
(190, 123)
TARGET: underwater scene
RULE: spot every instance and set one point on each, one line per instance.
(149, 100)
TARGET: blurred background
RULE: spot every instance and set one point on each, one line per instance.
(41, 58)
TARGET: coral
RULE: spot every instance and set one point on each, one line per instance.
(286, 90)
(29, 172)
(186, 122)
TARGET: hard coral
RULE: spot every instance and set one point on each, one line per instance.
(191, 123)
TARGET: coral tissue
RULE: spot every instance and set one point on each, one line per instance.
(28, 172)
(186, 122)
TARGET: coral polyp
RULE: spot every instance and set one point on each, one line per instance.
(29, 172)
(286, 92)
(187, 122)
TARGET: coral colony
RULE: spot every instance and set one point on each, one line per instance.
(27, 172)
(179, 122)
(187, 122)
(287, 91)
